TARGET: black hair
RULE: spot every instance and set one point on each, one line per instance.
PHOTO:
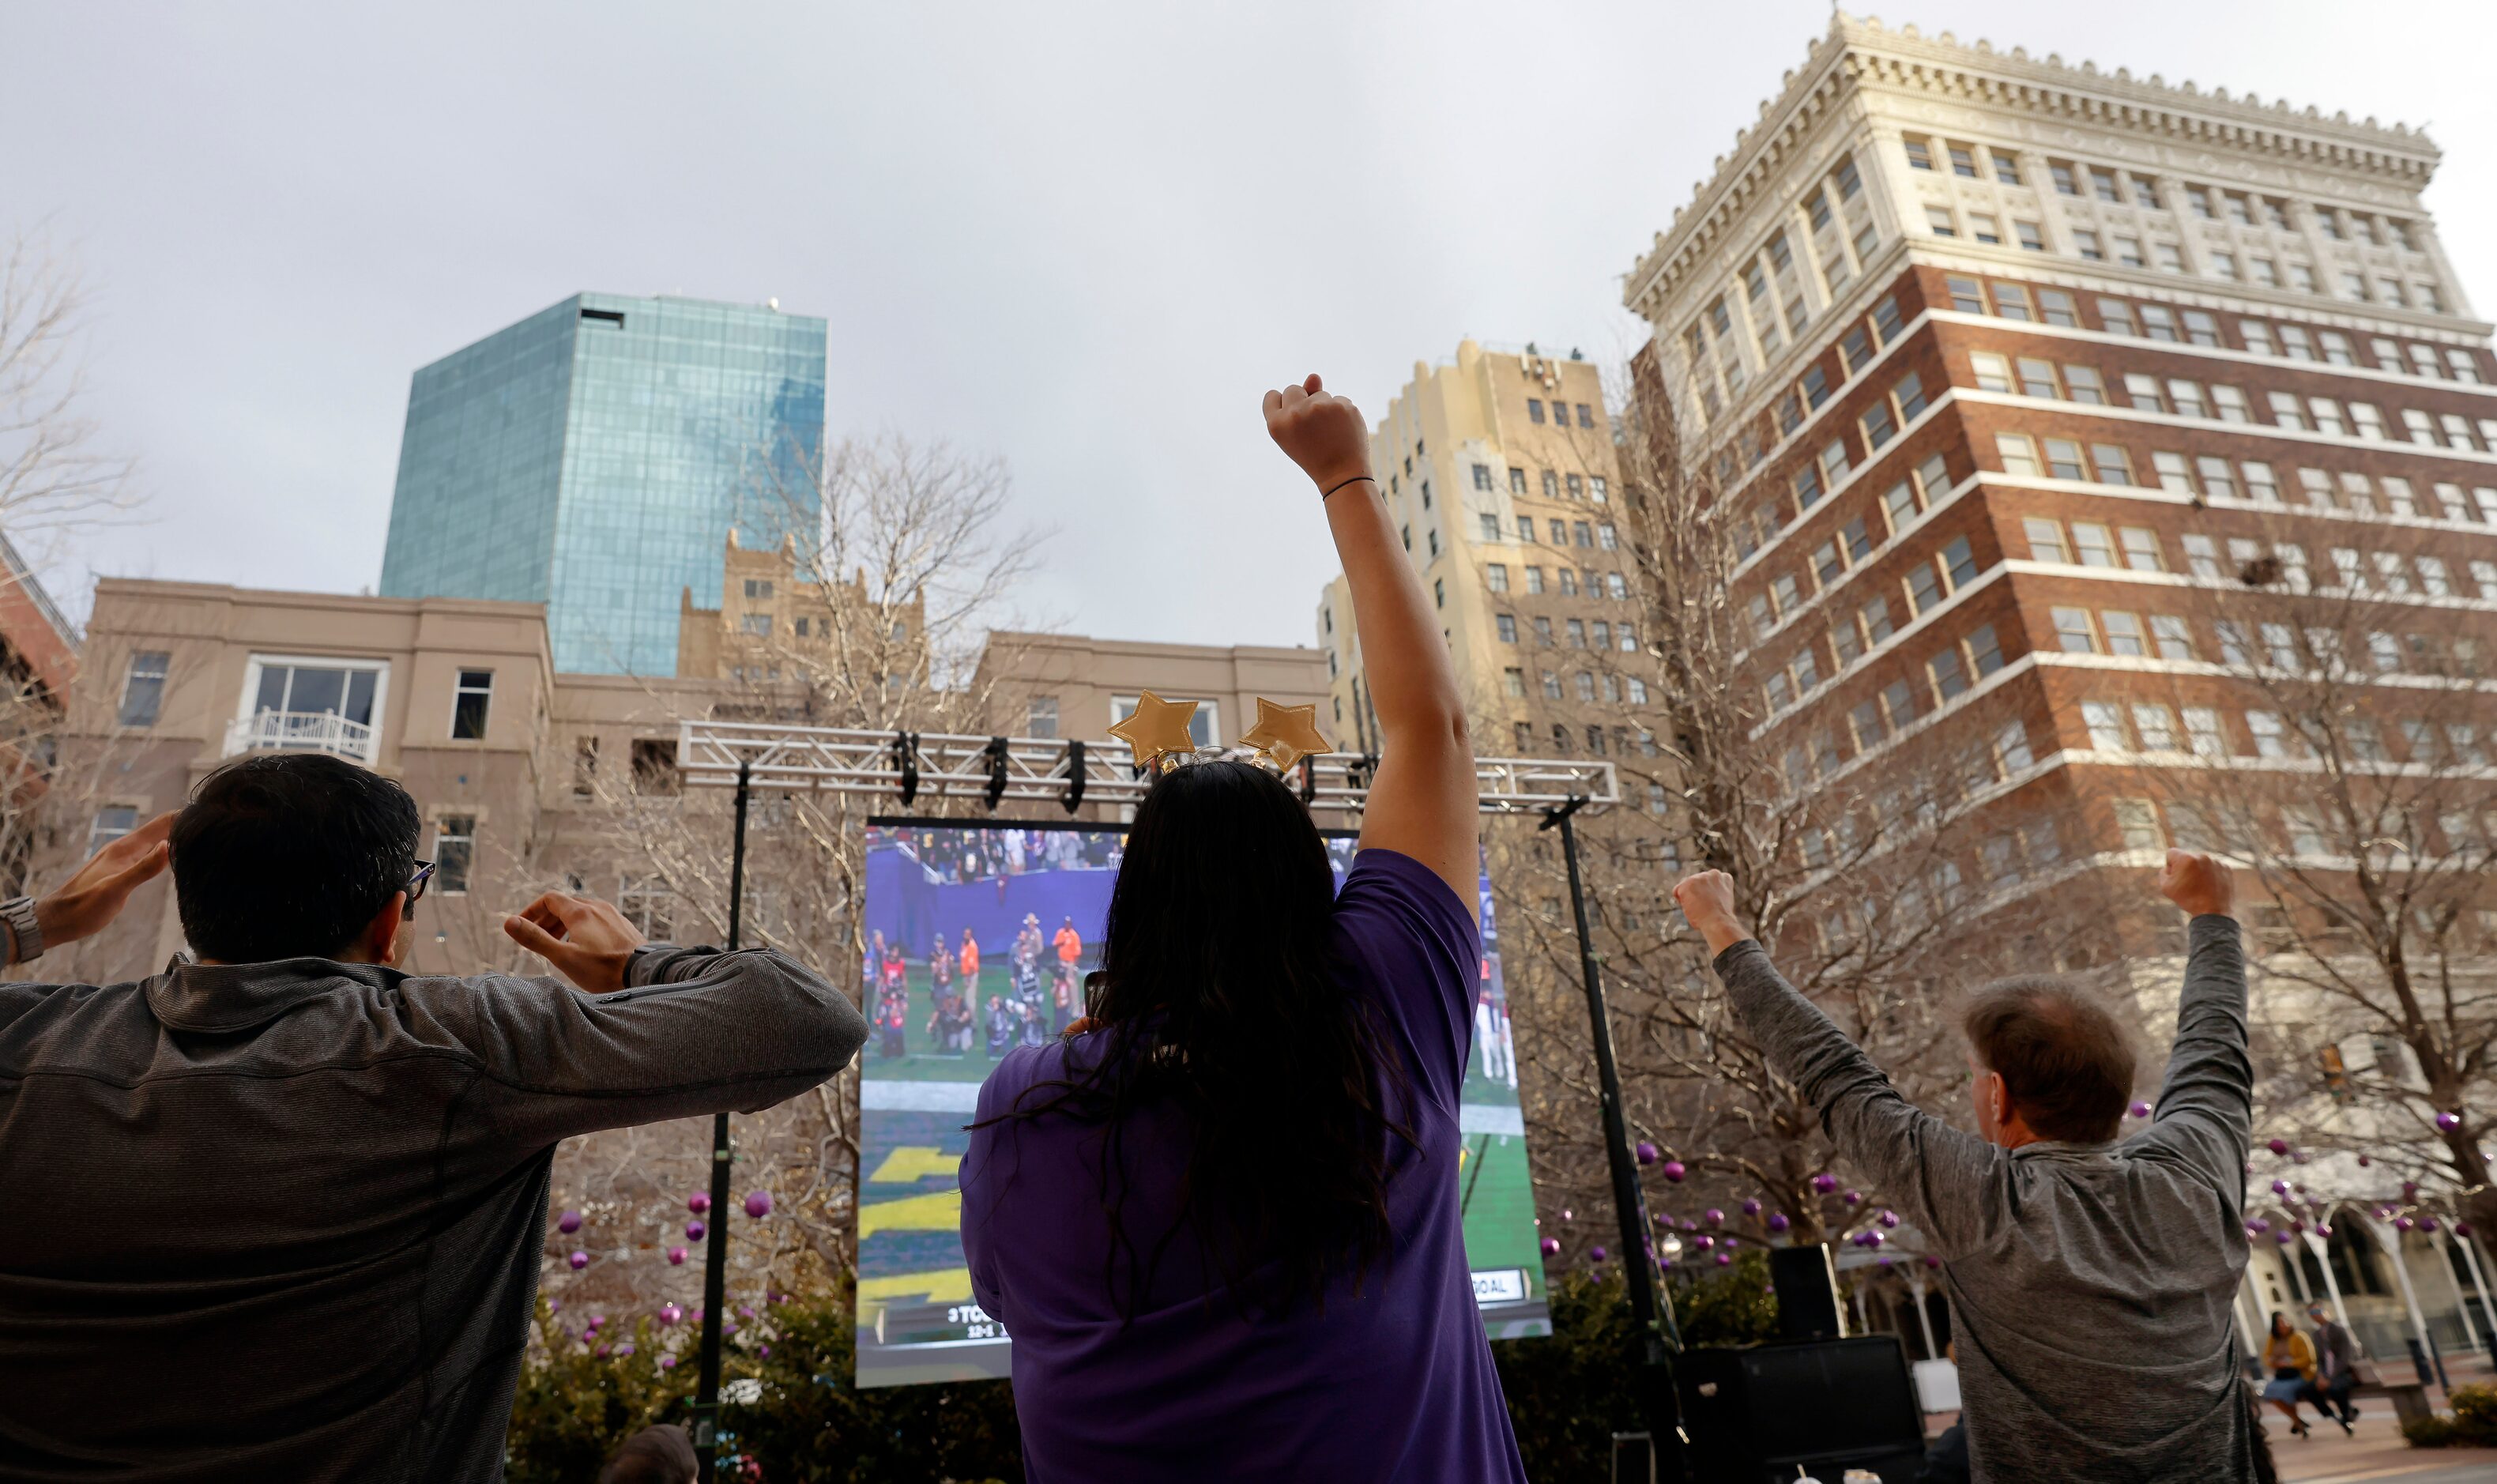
(286, 855)
(1220, 997)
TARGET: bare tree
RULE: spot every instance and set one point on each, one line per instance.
(874, 617)
(2358, 787)
(54, 476)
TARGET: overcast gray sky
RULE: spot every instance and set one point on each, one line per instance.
(1082, 236)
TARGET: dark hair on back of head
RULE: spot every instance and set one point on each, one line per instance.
(2067, 1060)
(1220, 998)
(289, 855)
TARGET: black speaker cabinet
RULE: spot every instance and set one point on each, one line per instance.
(1807, 1289)
(1825, 1405)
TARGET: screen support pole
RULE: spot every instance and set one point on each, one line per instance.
(705, 1437)
(1650, 1310)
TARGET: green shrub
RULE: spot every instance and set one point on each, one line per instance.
(2429, 1432)
(2475, 1416)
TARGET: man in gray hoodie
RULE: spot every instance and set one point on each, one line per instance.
(2091, 1279)
(278, 1213)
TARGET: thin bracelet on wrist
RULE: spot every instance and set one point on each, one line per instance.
(1356, 479)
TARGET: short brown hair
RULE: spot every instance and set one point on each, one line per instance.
(2067, 1060)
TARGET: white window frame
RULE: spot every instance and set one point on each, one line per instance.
(257, 663)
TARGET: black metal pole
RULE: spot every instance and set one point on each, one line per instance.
(1650, 1310)
(706, 1434)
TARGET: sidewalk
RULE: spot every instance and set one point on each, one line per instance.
(2376, 1451)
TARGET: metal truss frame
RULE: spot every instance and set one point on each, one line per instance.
(916, 766)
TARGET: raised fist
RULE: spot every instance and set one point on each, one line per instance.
(1323, 433)
(2201, 884)
(1707, 900)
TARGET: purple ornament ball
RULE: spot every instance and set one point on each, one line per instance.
(1702, 1243)
(2364, 1162)
(2280, 1187)
(1595, 1254)
(1713, 1216)
(2410, 1189)
(1644, 1152)
(758, 1204)
(1551, 1246)
(595, 1320)
(1690, 1225)
(1750, 1208)
(626, 1348)
(1674, 1170)
(669, 1314)
(2257, 1226)
(2462, 1229)
(765, 1352)
(2427, 1224)
(2277, 1146)
(694, 1231)
(568, 1223)
(697, 1203)
(555, 1305)
(604, 1351)
(1873, 1239)
(579, 1261)
(2282, 1238)
(1778, 1222)
(1724, 1259)
(2139, 1110)
(2403, 1223)
(667, 1363)
(1854, 1197)
(1890, 1218)
(1931, 1261)
(1566, 1215)
(2448, 1122)
(677, 1256)
(745, 1311)
(1732, 1243)
(1825, 1183)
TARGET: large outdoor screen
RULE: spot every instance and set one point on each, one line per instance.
(978, 940)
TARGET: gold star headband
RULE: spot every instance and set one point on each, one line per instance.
(1157, 732)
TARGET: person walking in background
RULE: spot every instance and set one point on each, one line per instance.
(2092, 1280)
(2289, 1362)
(969, 964)
(308, 1189)
(2336, 1367)
(1185, 1304)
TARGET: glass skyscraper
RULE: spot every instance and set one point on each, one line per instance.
(594, 457)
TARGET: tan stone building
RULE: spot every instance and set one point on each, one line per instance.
(1074, 686)
(776, 625)
(1497, 469)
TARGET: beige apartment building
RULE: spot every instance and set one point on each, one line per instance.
(1498, 468)
(517, 769)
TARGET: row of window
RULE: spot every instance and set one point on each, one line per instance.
(2148, 320)
(1560, 413)
(1854, 541)
(1773, 299)
(2153, 728)
(344, 691)
(1594, 535)
(1590, 686)
(1577, 486)
(1582, 633)
(1923, 587)
(2125, 250)
(1569, 581)
(2208, 475)
(1619, 741)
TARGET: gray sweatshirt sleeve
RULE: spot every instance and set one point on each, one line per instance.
(696, 1030)
(1944, 1181)
(2204, 1116)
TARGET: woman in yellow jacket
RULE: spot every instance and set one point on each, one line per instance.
(2289, 1359)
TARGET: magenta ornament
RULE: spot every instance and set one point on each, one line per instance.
(2323, 1229)
(729, 1328)
(1732, 1243)
(1646, 1152)
(758, 1204)
(1890, 1218)
(697, 1203)
(1551, 1246)
(2139, 1110)
(595, 1320)
(1595, 1254)
(2448, 1122)
(1931, 1261)
(2364, 1162)
(1566, 1215)
(669, 1314)
(1825, 1183)
(1702, 1243)
(2410, 1189)
(2403, 1223)
(1854, 1197)
(579, 1261)
(2257, 1226)
(555, 1305)
(2282, 1238)
(1713, 1216)
(1690, 1225)
(604, 1351)
(1778, 1222)
(1673, 1171)
(744, 1310)
(694, 1231)
(2280, 1187)
(676, 1256)
(2277, 1146)
(1750, 1208)
(568, 1223)
(2462, 1229)
(667, 1363)
(626, 1348)
(765, 1352)
(2427, 1224)
(1724, 1259)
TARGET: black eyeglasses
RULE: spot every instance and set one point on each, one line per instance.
(416, 886)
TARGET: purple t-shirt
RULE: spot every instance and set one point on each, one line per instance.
(1393, 1383)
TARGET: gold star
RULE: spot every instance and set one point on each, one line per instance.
(1285, 734)
(1156, 726)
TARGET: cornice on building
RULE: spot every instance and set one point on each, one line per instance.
(1856, 53)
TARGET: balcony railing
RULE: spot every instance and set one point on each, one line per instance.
(300, 732)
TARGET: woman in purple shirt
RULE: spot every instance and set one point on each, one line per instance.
(1221, 1221)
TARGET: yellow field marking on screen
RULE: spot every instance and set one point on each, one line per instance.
(939, 1210)
(948, 1285)
(912, 1163)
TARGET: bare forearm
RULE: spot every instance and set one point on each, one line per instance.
(1412, 683)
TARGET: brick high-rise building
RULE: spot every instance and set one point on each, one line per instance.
(2045, 397)
(1498, 471)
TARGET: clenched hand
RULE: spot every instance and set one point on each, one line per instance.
(587, 940)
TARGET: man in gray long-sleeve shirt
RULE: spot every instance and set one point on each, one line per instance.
(278, 1213)
(2093, 1280)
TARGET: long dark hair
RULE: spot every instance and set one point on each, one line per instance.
(1218, 997)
